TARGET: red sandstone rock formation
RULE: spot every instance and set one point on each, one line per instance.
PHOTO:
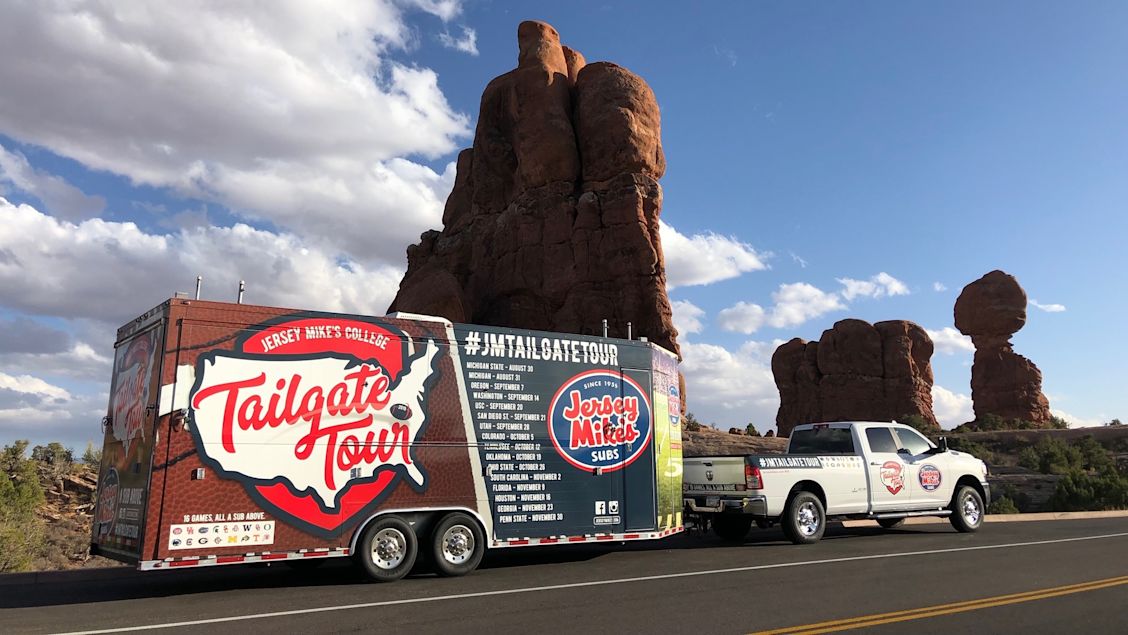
(553, 220)
(855, 372)
(1003, 383)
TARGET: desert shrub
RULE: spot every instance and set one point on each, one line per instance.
(974, 448)
(917, 422)
(1058, 423)
(751, 431)
(691, 422)
(92, 456)
(21, 532)
(1002, 505)
(1080, 491)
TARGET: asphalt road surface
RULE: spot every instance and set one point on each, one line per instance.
(1028, 577)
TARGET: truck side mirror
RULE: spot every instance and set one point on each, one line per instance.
(942, 444)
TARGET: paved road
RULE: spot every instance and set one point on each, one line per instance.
(1072, 577)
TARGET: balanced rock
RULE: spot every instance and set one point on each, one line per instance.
(1003, 383)
(857, 371)
(553, 220)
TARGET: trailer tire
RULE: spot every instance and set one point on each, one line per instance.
(890, 523)
(457, 545)
(731, 527)
(804, 520)
(387, 549)
(967, 510)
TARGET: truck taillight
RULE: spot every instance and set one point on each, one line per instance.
(752, 477)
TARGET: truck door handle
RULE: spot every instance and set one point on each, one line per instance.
(875, 463)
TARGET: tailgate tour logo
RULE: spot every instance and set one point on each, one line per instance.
(318, 417)
(600, 419)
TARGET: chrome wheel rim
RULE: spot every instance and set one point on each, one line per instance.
(458, 544)
(389, 548)
(808, 519)
(970, 509)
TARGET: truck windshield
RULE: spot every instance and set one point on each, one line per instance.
(821, 441)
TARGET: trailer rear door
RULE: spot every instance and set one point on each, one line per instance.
(130, 434)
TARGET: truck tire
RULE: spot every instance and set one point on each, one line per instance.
(967, 509)
(804, 520)
(387, 549)
(457, 545)
(731, 527)
(890, 523)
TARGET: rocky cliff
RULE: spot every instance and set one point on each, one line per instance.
(857, 371)
(553, 220)
(1003, 383)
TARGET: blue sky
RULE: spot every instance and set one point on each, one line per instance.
(824, 161)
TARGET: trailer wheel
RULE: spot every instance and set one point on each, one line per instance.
(731, 527)
(457, 545)
(387, 549)
(967, 510)
(804, 521)
(890, 523)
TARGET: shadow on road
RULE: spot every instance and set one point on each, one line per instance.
(65, 588)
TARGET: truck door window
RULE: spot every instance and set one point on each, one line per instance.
(881, 440)
(913, 442)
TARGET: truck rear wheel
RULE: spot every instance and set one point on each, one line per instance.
(967, 509)
(457, 545)
(387, 549)
(731, 527)
(804, 521)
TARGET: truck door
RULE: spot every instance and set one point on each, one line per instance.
(639, 502)
(924, 471)
(888, 483)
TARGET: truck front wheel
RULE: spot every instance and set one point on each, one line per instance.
(387, 549)
(731, 527)
(805, 519)
(967, 509)
(457, 545)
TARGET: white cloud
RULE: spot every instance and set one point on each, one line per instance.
(951, 408)
(798, 260)
(1080, 422)
(939, 287)
(794, 304)
(1048, 308)
(59, 197)
(877, 286)
(730, 389)
(742, 317)
(468, 43)
(950, 341)
(111, 271)
(706, 258)
(687, 317)
(297, 115)
(28, 385)
(798, 302)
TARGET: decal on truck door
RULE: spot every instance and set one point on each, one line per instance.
(318, 417)
(929, 477)
(892, 476)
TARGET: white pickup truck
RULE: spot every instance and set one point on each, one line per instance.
(882, 471)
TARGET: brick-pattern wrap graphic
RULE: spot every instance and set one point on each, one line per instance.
(198, 327)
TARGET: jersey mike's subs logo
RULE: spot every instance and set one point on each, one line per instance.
(317, 416)
(600, 419)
